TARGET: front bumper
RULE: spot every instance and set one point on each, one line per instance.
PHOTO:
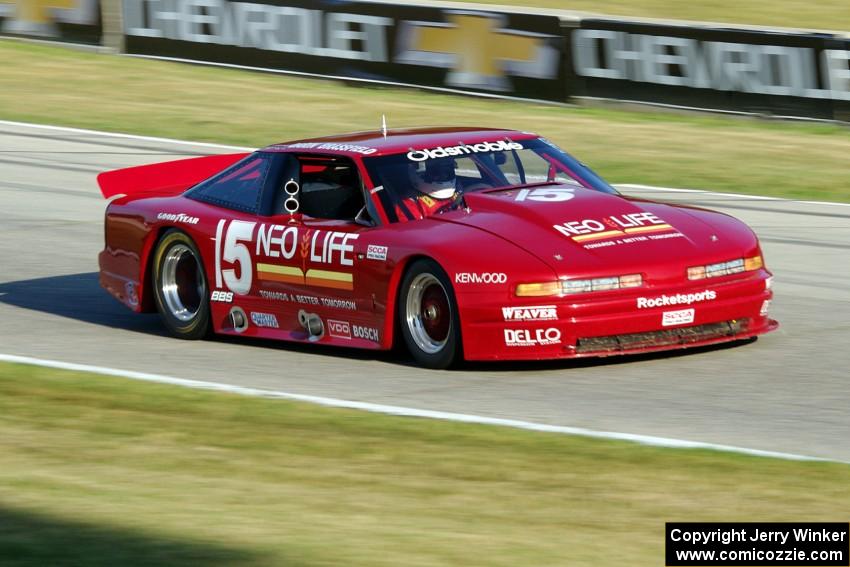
(612, 323)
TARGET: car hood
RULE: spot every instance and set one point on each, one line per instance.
(582, 232)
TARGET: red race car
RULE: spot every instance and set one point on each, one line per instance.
(473, 244)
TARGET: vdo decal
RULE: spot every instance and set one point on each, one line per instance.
(236, 240)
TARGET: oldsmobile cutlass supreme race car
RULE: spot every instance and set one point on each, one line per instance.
(472, 244)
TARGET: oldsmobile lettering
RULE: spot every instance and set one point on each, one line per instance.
(453, 151)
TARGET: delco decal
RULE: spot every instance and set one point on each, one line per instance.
(678, 299)
(339, 329)
(264, 320)
(615, 226)
(673, 318)
(532, 337)
(537, 313)
(462, 150)
(178, 217)
(480, 278)
(375, 252)
(235, 241)
(368, 333)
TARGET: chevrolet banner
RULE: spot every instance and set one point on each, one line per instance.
(482, 51)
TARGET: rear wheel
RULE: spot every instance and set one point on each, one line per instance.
(180, 286)
(428, 315)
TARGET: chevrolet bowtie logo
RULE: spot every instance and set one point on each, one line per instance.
(477, 48)
(37, 17)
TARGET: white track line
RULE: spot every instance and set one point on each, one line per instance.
(404, 411)
(246, 149)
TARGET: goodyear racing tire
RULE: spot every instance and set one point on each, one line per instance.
(180, 286)
(428, 315)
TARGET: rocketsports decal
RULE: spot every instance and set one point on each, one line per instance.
(617, 229)
(677, 299)
(281, 253)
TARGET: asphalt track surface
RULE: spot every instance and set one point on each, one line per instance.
(786, 392)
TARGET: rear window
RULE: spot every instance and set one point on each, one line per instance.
(238, 187)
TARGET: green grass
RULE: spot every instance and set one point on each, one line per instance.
(65, 87)
(102, 471)
(823, 14)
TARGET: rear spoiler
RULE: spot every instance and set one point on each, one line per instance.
(170, 176)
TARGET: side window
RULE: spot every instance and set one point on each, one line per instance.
(237, 188)
(330, 188)
(535, 168)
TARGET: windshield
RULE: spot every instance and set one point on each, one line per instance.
(421, 182)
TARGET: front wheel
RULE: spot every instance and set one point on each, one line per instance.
(428, 315)
(180, 286)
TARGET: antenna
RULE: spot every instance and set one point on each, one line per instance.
(384, 125)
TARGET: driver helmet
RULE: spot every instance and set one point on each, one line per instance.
(436, 178)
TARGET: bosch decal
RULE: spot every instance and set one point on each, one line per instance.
(481, 278)
(532, 337)
(537, 313)
(678, 299)
(368, 333)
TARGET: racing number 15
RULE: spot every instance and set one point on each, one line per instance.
(232, 250)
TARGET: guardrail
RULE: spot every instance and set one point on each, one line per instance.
(512, 53)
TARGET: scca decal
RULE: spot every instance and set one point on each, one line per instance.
(481, 278)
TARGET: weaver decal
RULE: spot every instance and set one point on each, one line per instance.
(284, 254)
(462, 150)
(673, 318)
(618, 229)
(536, 313)
(532, 337)
(677, 299)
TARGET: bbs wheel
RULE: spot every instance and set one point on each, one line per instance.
(180, 286)
(428, 315)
